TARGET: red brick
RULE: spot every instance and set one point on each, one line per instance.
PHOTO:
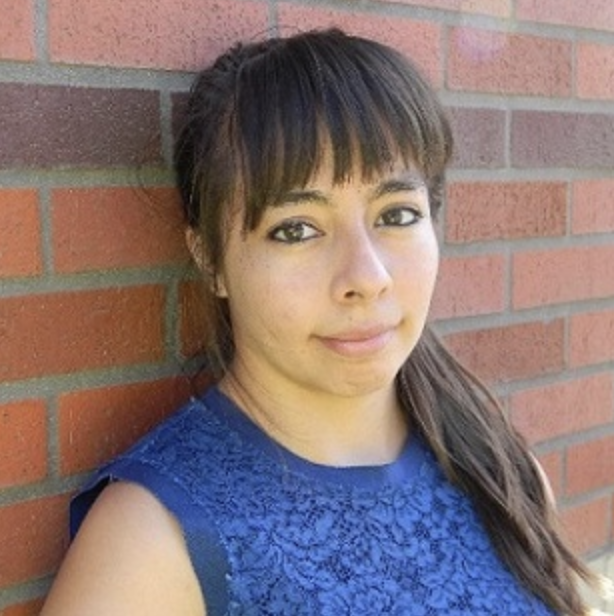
(590, 338)
(479, 211)
(498, 8)
(595, 71)
(565, 408)
(23, 442)
(150, 33)
(489, 61)
(594, 14)
(552, 464)
(479, 138)
(17, 30)
(470, 286)
(193, 322)
(590, 466)
(20, 241)
(30, 608)
(560, 139)
(419, 40)
(34, 538)
(564, 275)
(593, 206)
(116, 227)
(66, 332)
(586, 526)
(48, 126)
(96, 425)
(512, 352)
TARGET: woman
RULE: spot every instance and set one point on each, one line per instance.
(344, 462)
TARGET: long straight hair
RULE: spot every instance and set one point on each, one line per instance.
(257, 123)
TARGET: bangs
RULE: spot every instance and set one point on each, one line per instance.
(349, 97)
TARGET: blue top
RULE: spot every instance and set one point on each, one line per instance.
(271, 534)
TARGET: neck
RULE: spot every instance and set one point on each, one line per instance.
(365, 430)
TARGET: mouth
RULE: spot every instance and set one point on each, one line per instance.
(359, 343)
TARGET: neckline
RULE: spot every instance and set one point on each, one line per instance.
(398, 472)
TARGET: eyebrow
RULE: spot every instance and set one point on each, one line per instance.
(292, 197)
(408, 182)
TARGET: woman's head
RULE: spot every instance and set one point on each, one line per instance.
(262, 118)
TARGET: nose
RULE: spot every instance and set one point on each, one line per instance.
(361, 272)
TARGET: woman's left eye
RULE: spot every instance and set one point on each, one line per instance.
(293, 232)
(399, 217)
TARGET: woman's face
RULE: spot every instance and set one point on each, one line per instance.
(330, 293)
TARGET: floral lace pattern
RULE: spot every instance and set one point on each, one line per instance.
(297, 546)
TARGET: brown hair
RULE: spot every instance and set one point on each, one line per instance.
(257, 123)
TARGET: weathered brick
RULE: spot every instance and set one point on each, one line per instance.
(498, 8)
(590, 338)
(586, 526)
(479, 138)
(17, 30)
(159, 34)
(479, 211)
(419, 40)
(549, 412)
(20, 241)
(561, 139)
(469, 286)
(590, 466)
(100, 228)
(23, 442)
(65, 332)
(47, 126)
(593, 206)
(490, 61)
(512, 352)
(562, 275)
(96, 425)
(594, 71)
(34, 538)
(593, 14)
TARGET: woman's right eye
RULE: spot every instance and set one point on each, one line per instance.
(293, 232)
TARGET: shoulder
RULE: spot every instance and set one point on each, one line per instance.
(129, 557)
(171, 461)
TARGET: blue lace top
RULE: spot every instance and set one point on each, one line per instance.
(271, 534)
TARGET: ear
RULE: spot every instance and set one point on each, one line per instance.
(195, 245)
(197, 249)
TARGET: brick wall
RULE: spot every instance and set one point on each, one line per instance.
(92, 262)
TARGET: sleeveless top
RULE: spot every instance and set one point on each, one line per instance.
(271, 534)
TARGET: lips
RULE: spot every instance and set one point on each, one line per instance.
(359, 343)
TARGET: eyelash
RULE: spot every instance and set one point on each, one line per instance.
(288, 232)
(291, 227)
(416, 216)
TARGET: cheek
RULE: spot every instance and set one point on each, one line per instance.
(262, 294)
(425, 261)
(418, 275)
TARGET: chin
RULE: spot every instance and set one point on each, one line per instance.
(364, 386)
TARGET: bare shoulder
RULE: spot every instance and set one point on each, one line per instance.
(129, 557)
